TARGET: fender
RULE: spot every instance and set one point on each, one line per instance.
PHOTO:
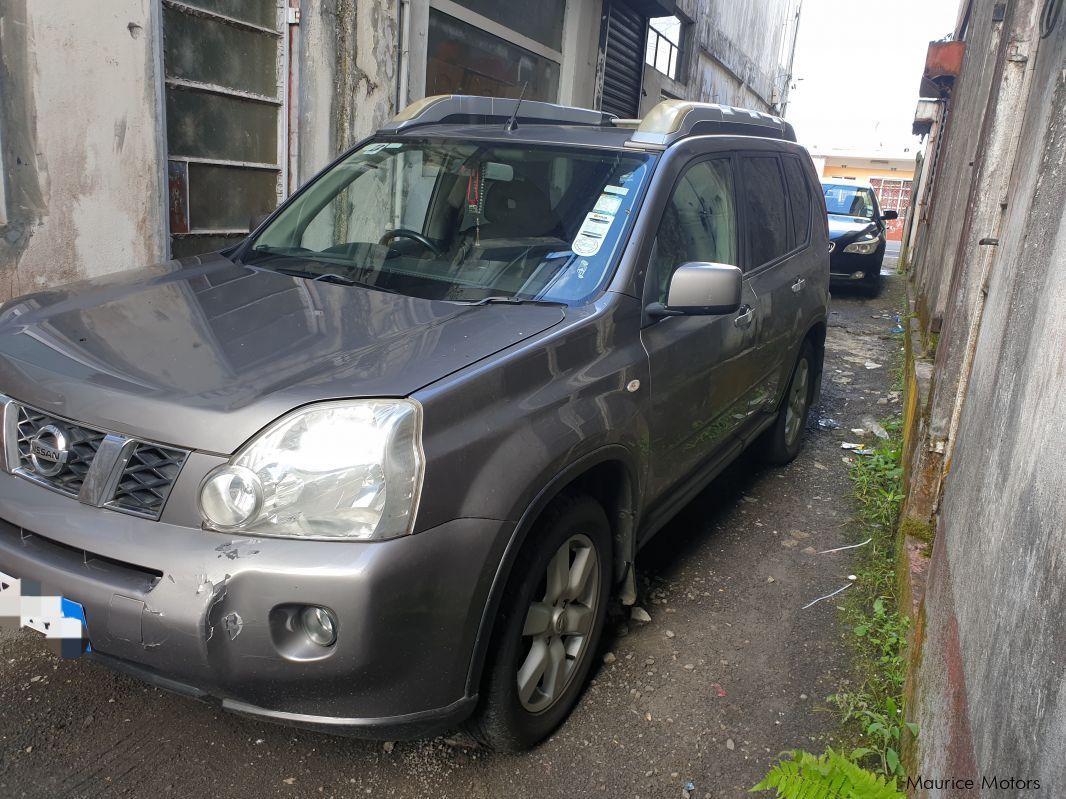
(625, 540)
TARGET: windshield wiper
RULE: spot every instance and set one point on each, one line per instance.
(329, 277)
(514, 301)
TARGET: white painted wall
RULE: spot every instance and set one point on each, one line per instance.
(84, 174)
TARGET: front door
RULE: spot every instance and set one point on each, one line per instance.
(700, 368)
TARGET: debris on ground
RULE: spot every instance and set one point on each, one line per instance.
(872, 365)
(719, 691)
(849, 445)
(849, 546)
(876, 429)
(827, 596)
(639, 615)
(609, 658)
(828, 424)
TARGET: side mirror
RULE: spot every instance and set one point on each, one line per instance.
(701, 289)
(888, 216)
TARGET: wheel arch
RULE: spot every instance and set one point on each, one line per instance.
(609, 476)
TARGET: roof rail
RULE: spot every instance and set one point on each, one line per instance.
(462, 109)
(671, 120)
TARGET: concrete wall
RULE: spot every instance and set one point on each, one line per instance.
(990, 694)
(345, 54)
(81, 146)
(736, 54)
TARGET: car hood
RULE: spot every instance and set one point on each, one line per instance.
(204, 353)
(842, 226)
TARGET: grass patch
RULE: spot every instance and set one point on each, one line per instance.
(873, 712)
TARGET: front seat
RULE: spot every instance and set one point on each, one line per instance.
(517, 209)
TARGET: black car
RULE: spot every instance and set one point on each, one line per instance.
(856, 234)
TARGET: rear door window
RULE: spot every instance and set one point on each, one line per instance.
(765, 208)
(799, 195)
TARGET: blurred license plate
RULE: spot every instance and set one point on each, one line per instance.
(60, 620)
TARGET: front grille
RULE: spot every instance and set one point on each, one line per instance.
(147, 479)
(99, 468)
(82, 444)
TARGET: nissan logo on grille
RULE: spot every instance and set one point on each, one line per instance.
(48, 451)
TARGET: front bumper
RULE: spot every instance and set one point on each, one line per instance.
(845, 267)
(206, 614)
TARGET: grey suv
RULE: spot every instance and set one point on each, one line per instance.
(381, 467)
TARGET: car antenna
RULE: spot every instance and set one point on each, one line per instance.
(512, 122)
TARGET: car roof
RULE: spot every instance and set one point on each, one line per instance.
(582, 135)
(666, 124)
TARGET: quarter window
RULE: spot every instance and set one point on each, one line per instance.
(698, 224)
(799, 196)
(764, 203)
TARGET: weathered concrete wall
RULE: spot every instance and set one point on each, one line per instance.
(737, 54)
(991, 698)
(346, 54)
(82, 163)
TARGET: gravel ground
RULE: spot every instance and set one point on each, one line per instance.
(729, 672)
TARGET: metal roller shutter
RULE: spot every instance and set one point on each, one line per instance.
(625, 40)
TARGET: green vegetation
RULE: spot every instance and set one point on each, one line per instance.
(914, 528)
(872, 711)
(878, 630)
(831, 776)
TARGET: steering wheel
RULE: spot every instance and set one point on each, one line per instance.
(404, 233)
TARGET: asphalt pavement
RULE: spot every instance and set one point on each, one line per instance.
(730, 671)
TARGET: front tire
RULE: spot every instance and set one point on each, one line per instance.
(782, 442)
(549, 628)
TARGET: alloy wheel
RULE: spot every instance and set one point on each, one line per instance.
(558, 626)
(796, 408)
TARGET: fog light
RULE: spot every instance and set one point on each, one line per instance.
(858, 275)
(319, 625)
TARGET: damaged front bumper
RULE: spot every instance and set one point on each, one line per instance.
(211, 615)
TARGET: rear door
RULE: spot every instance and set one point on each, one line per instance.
(699, 365)
(776, 239)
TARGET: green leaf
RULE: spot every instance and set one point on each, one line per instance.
(892, 759)
(910, 725)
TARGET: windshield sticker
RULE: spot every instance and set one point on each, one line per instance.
(622, 190)
(597, 223)
(608, 204)
(375, 147)
(592, 233)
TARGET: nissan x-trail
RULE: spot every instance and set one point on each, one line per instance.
(381, 467)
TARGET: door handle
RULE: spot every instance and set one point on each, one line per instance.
(744, 319)
(797, 287)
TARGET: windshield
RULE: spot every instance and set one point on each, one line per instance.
(857, 201)
(459, 221)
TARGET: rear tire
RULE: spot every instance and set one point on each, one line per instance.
(782, 442)
(548, 631)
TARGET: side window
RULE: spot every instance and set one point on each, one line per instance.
(698, 224)
(767, 215)
(799, 196)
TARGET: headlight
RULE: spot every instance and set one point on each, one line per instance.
(864, 246)
(339, 470)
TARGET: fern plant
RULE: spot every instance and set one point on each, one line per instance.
(829, 776)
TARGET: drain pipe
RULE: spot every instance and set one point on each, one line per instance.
(403, 11)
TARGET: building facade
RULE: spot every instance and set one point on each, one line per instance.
(135, 130)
